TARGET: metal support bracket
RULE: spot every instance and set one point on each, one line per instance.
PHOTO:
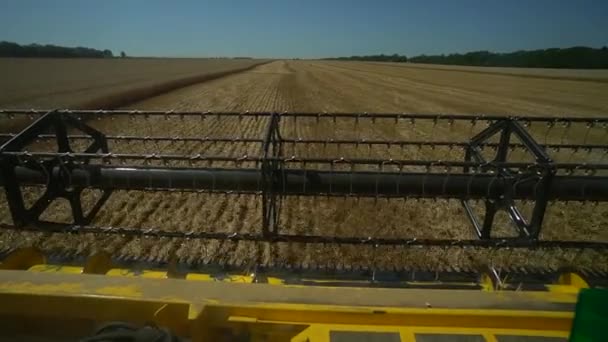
(271, 176)
(57, 170)
(541, 175)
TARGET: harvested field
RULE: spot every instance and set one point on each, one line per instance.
(101, 83)
(314, 86)
(600, 76)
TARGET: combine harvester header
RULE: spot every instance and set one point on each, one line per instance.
(363, 303)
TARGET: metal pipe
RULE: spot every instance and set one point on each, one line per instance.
(599, 118)
(304, 141)
(297, 160)
(338, 183)
(318, 239)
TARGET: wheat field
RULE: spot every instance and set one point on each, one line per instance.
(324, 86)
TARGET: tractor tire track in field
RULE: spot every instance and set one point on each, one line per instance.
(308, 86)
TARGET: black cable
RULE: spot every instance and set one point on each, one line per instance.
(126, 332)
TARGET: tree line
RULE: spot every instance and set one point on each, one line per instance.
(373, 58)
(571, 58)
(10, 49)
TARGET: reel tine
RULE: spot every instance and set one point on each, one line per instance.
(550, 126)
(448, 171)
(589, 125)
(566, 124)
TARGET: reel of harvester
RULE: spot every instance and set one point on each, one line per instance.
(501, 164)
(504, 163)
(275, 174)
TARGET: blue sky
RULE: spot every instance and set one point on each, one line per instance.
(307, 28)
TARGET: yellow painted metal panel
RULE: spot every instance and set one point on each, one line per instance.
(490, 337)
(237, 279)
(275, 281)
(573, 280)
(56, 268)
(435, 318)
(224, 278)
(207, 308)
(320, 332)
(124, 272)
(199, 277)
(22, 259)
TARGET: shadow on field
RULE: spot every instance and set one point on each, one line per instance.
(126, 98)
